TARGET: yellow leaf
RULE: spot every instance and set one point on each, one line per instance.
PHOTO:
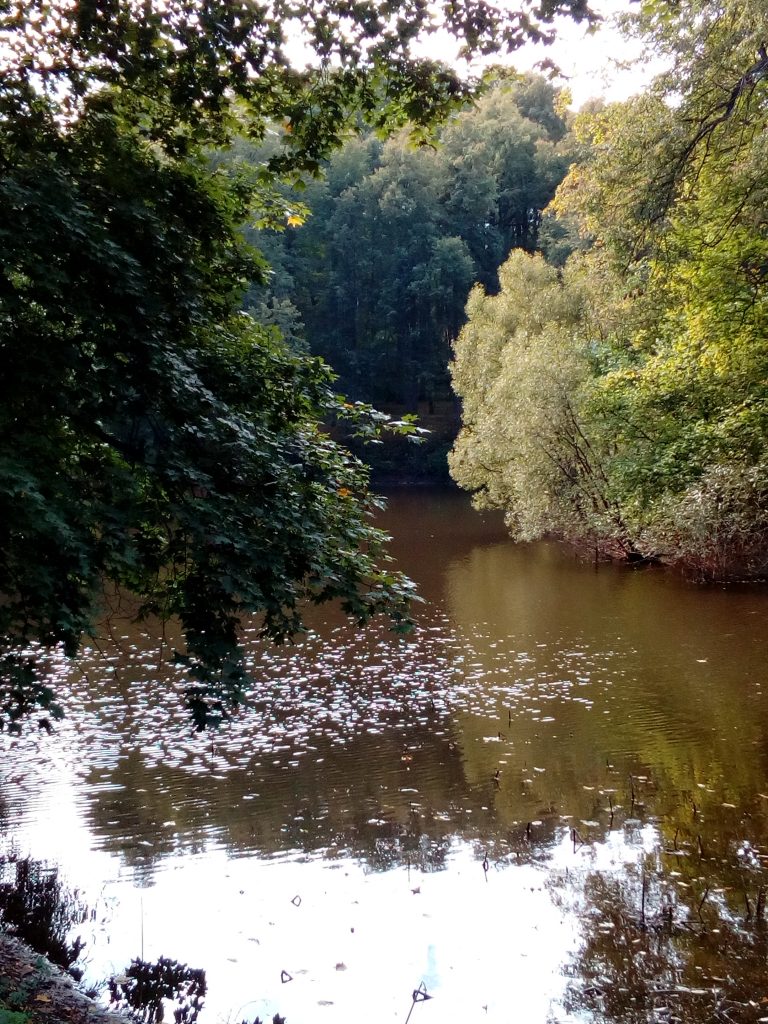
(42, 999)
(295, 221)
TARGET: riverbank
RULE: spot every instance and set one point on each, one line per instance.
(34, 991)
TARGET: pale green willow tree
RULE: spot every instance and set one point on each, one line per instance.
(523, 367)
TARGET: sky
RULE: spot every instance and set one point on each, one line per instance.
(602, 63)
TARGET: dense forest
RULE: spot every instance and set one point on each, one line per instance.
(377, 278)
(613, 368)
(152, 437)
(393, 236)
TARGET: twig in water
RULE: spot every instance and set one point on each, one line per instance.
(669, 913)
(748, 905)
(642, 898)
(701, 901)
(419, 995)
(760, 905)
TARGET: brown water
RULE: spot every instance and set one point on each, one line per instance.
(549, 804)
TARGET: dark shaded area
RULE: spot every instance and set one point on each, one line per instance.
(40, 910)
(144, 987)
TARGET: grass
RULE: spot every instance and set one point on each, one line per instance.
(9, 1016)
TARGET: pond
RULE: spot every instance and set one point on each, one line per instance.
(549, 804)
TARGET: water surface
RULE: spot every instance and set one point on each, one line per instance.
(547, 804)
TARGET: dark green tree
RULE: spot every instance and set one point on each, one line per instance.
(502, 163)
(381, 270)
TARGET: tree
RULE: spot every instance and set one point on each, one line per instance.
(382, 267)
(523, 369)
(151, 434)
(502, 163)
(672, 196)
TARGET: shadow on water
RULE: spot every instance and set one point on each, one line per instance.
(40, 909)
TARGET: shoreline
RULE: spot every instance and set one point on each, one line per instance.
(30, 985)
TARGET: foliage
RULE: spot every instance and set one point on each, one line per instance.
(380, 271)
(13, 1016)
(152, 435)
(143, 988)
(522, 368)
(672, 406)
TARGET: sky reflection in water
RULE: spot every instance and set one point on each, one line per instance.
(484, 808)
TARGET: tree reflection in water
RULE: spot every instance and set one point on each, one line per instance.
(656, 947)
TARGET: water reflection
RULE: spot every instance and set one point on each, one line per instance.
(523, 804)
